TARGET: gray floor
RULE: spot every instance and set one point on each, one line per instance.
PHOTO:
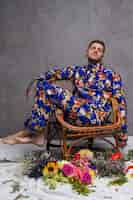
(31, 189)
(16, 152)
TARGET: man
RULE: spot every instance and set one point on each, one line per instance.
(89, 103)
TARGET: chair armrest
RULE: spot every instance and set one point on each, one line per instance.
(115, 109)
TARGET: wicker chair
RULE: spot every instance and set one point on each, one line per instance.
(77, 134)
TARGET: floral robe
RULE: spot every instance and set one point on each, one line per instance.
(88, 104)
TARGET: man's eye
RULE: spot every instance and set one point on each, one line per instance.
(100, 50)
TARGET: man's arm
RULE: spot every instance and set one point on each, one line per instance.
(59, 73)
(118, 92)
(53, 74)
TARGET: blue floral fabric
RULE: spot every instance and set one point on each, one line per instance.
(88, 104)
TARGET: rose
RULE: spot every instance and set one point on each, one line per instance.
(62, 162)
(76, 157)
(68, 169)
(77, 173)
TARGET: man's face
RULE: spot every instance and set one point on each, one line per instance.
(95, 51)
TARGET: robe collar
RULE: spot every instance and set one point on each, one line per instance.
(94, 66)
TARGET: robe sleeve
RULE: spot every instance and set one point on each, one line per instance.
(118, 92)
(59, 73)
(53, 74)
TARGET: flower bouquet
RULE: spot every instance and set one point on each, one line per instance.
(79, 172)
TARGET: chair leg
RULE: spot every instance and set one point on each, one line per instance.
(116, 142)
(65, 154)
(115, 146)
(48, 138)
(65, 149)
(90, 143)
(63, 144)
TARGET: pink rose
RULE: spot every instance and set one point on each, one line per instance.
(68, 169)
(77, 173)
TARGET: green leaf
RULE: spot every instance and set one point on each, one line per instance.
(52, 184)
(21, 196)
(15, 187)
(81, 188)
(118, 181)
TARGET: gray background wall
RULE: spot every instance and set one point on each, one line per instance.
(35, 34)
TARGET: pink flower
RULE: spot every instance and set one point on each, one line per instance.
(86, 178)
(77, 173)
(84, 163)
(68, 169)
(82, 175)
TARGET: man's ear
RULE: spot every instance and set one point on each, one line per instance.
(86, 53)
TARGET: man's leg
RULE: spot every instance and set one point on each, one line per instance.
(35, 125)
(49, 94)
(31, 124)
(11, 139)
(23, 136)
(85, 113)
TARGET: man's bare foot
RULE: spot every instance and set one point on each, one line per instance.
(11, 139)
(22, 133)
(8, 140)
(1, 140)
(24, 137)
(37, 139)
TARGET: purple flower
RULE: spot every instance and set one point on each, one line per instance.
(86, 178)
(92, 166)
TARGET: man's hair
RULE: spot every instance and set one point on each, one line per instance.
(98, 41)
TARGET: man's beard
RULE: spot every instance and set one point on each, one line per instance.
(93, 61)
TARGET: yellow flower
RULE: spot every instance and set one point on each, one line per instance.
(50, 168)
(92, 173)
(129, 175)
(86, 153)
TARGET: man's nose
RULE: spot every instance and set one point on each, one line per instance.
(95, 51)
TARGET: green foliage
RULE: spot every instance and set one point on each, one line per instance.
(15, 187)
(109, 167)
(129, 155)
(53, 180)
(118, 181)
(81, 188)
(21, 196)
